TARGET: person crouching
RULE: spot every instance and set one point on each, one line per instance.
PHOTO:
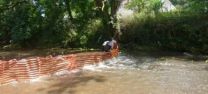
(106, 46)
(110, 45)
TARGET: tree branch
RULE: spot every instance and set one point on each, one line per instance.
(10, 6)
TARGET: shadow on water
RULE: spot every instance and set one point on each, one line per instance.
(163, 54)
(67, 85)
(206, 68)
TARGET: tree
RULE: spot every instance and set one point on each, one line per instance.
(53, 22)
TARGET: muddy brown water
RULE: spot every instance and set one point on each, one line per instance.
(125, 74)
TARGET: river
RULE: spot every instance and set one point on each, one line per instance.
(126, 74)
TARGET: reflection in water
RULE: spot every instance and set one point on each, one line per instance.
(124, 75)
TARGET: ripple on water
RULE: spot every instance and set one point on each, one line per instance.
(124, 75)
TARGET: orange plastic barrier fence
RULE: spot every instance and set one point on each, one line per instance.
(30, 68)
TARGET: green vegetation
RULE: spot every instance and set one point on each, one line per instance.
(87, 23)
(182, 29)
(62, 23)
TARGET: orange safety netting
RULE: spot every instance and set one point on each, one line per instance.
(30, 68)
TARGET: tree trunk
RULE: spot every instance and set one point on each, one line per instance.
(68, 6)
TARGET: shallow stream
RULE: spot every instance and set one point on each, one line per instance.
(125, 74)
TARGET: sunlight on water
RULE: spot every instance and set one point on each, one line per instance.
(124, 74)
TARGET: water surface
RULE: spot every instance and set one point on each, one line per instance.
(125, 74)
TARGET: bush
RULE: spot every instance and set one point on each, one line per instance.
(173, 31)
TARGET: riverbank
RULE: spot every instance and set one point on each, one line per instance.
(6, 54)
(147, 51)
